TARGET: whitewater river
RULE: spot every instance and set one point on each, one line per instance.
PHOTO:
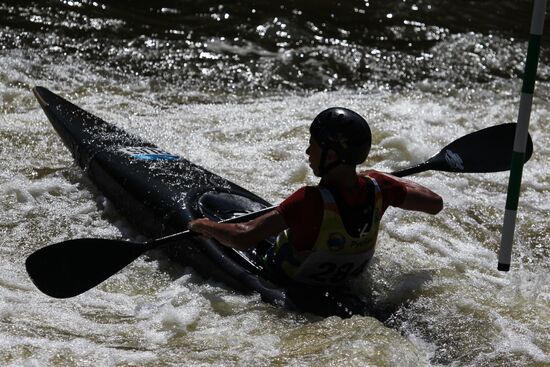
(233, 88)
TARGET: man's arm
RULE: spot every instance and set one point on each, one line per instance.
(416, 196)
(420, 198)
(241, 235)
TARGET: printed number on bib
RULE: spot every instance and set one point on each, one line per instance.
(323, 269)
(333, 273)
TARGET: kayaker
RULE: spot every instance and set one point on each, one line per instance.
(327, 233)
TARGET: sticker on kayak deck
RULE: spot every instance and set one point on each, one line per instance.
(148, 154)
(454, 160)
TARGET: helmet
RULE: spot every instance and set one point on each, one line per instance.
(345, 132)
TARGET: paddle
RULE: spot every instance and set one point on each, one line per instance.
(69, 268)
(486, 150)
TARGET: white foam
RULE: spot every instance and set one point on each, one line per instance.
(439, 272)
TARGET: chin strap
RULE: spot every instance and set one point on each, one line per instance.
(323, 168)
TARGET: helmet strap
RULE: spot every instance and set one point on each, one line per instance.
(323, 167)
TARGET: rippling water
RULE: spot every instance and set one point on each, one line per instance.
(233, 87)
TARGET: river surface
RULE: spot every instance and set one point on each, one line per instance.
(233, 86)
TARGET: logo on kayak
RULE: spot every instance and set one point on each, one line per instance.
(148, 154)
(454, 160)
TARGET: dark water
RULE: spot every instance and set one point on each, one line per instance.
(265, 46)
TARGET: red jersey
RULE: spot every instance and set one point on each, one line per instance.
(303, 210)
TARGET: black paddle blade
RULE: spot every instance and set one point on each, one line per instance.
(486, 150)
(69, 268)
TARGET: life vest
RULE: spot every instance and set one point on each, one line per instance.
(336, 255)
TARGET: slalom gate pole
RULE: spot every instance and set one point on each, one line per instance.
(520, 140)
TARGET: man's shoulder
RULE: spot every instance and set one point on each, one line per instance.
(303, 205)
(383, 179)
(304, 193)
(393, 189)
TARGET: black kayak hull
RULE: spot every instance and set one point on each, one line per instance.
(159, 193)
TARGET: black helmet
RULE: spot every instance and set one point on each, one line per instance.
(345, 132)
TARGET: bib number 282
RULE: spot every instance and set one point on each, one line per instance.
(328, 272)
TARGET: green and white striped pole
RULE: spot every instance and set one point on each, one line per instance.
(520, 140)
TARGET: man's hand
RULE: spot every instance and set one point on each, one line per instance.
(199, 226)
(241, 235)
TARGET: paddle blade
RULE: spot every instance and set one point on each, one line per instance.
(69, 268)
(486, 150)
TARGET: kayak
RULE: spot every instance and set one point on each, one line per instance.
(159, 193)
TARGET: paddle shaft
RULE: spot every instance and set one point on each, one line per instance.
(411, 171)
(183, 235)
